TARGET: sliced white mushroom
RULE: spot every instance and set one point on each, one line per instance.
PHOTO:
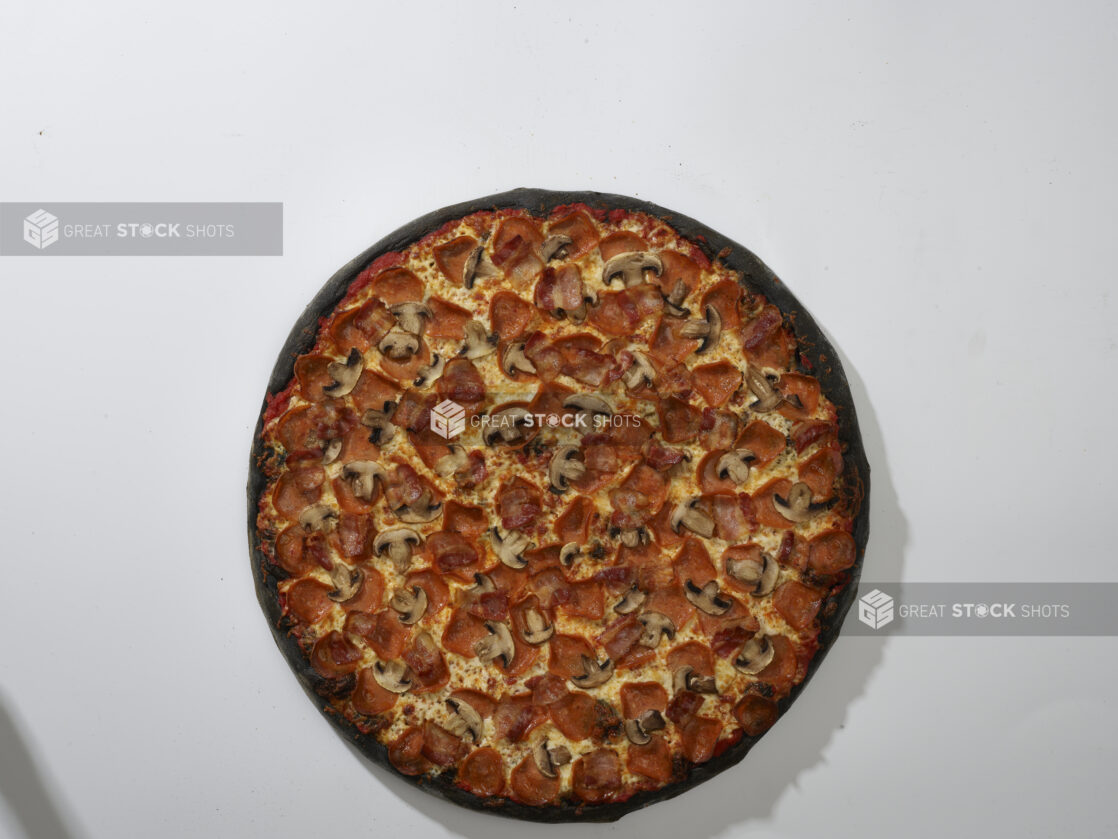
(634, 598)
(707, 599)
(556, 246)
(510, 548)
(466, 722)
(393, 676)
(398, 543)
(656, 626)
(423, 509)
(568, 553)
(345, 373)
(758, 575)
(673, 303)
(687, 515)
(379, 423)
(410, 603)
(427, 374)
(505, 426)
(347, 582)
(594, 672)
(497, 645)
(483, 584)
(631, 537)
(363, 476)
(477, 267)
(641, 373)
(768, 398)
(638, 731)
(537, 628)
(549, 758)
(734, 466)
(479, 343)
(448, 464)
(564, 468)
(411, 316)
(631, 266)
(399, 345)
(319, 517)
(685, 678)
(513, 360)
(709, 330)
(756, 655)
(797, 506)
(586, 407)
(332, 450)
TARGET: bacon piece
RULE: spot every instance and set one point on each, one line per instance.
(725, 297)
(559, 289)
(406, 752)
(448, 320)
(551, 587)
(831, 551)
(491, 606)
(581, 359)
(466, 519)
(461, 382)
(298, 489)
(413, 411)
(652, 760)
(451, 257)
(547, 688)
(383, 632)
(618, 243)
(530, 786)
(566, 652)
(580, 228)
(684, 706)
(463, 630)
(482, 773)
(636, 658)
(545, 357)
(361, 328)
(805, 433)
(616, 313)
(620, 636)
(663, 458)
(767, 514)
(519, 504)
(440, 746)
(798, 604)
(801, 396)
(763, 440)
(718, 429)
(679, 421)
(761, 328)
(397, 285)
(405, 486)
(700, 736)
(427, 664)
(437, 591)
(369, 698)
(574, 715)
(307, 601)
(452, 553)
(716, 382)
(755, 714)
(510, 315)
(638, 697)
(335, 655)
(573, 524)
(731, 514)
(514, 249)
(596, 776)
(766, 342)
(727, 642)
(516, 717)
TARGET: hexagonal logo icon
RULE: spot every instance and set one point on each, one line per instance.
(40, 229)
(448, 419)
(875, 609)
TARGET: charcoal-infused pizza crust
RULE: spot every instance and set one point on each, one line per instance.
(623, 570)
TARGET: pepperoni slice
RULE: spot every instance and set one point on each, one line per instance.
(397, 285)
(679, 421)
(369, 698)
(727, 642)
(550, 586)
(586, 601)
(684, 706)
(596, 776)
(362, 327)
(530, 786)
(406, 370)
(483, 703)
(566, 652)
(761, 329)
(755, 714)
(547, 688)
(831, 552)
(763, 504)
(370, 593)
(820, 471)
(545, 357)
(732, 515)
(413, 411)
(447, 319)
(620, 636)
(645, 480)
(580, 228)
(437, 591)
(371, 392)
(693, 654)
(451, 257)
(725, 297)
(671, 602)
(621, 242)
(490, 606)
(463, 630)
(335, 655)
(652, 760)
(668, 345)
(350, 503)
(736, 616)
(700, 736)
(313, 378)
(559, 289)
(440, 746)
(574, 715)
(406, 752)
(290, 551)
(308, 600)
(483, 772)
(514, 249)
(516, 717)
(510, 315)
(781, 672)
(581, 359)
(798, 604)
(453, 553)
(693, 563)
(427, 664)
(678, 267)
(716, 382)
(808, 432)
(801, 396)
(763, 440)
(524, 656)
(298, 489)
(466, 519)
(519, 504)
(296, 430)
(573, 524)
(718, 429)
(661, 526)
(709, 481)
(638, 697)
(386, 636)
(405, 486)
(766, 342)
(616, 313)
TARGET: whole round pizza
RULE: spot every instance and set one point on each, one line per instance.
(556, 502)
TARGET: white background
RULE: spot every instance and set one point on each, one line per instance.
(936, 182)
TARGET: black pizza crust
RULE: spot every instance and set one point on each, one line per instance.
(812, 345)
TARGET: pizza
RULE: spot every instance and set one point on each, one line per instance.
(554, 509)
